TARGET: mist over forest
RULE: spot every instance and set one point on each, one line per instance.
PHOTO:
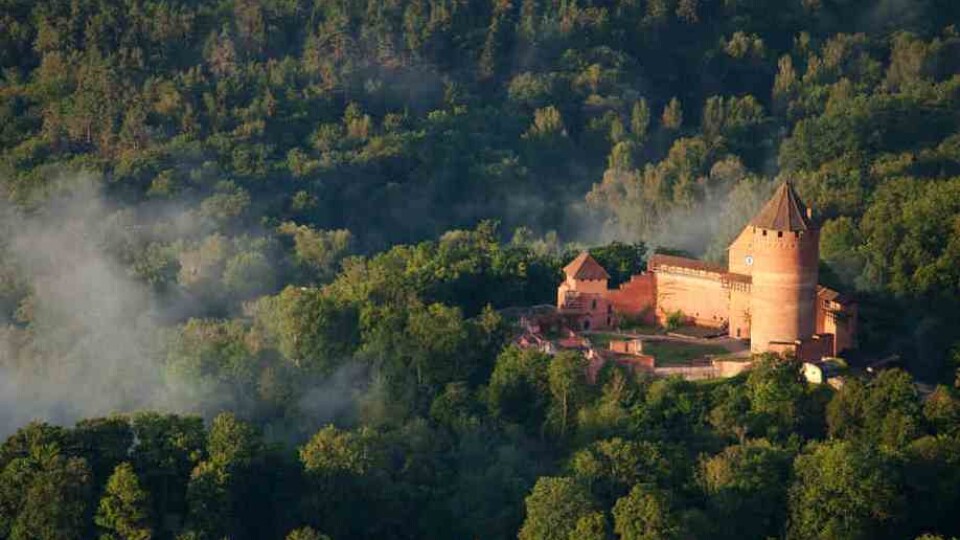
(260, 261)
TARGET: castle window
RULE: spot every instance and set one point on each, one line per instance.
(764, 232)
(609, 321)
(593, 304)
(779, 234)
(609, 308)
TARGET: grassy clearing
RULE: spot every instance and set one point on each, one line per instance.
(673, 353)
(602, 339)
(640, 328)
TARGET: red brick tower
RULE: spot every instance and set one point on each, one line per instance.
(583, 295)
(785, 255)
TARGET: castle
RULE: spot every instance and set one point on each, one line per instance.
(768, 293)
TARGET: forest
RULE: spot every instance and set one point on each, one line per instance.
(259, 261)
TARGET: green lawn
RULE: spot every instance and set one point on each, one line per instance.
(640, 328)
(601, 340)
(673, 353)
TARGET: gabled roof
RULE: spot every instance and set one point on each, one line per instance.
(783, 212)
(826, 293)
(585, 267)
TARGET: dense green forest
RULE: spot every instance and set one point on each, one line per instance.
(260, 255)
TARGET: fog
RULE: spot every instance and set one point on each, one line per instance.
(89, 338)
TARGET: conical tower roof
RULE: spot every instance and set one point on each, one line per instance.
(783, 212)
(585, 267)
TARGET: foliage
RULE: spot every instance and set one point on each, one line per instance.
(841, 491)
(311, 203)
(554, 509)
(123, 510)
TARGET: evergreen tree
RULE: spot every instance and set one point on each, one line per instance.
(123, 513)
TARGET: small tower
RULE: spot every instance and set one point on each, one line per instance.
(583, 294)
(785, 255)
(583, 275)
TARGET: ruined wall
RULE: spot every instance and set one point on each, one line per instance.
(730, 368)
(636, 297)
(626, 346)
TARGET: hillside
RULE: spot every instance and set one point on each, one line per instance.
(263, 217)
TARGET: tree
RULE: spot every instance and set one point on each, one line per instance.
(672, 117)
(209, 501)
(592, 526)
(167, 449)
(124, 509)
(885, 412)
(612, 466)
(437, 335)
(931, 467)
(56, 504)
(318, 251)
(554, 508)
(776, 392)
(248, 274)
(312, 329)
(346, 470)
(640, 120)
(645, 514)
(840, 242)
(567, 377)
(213, 350)
(785, 85)
(621, 260)
(232, 443)
(731, 417)
(306, 533)
(519, 387)
(942, 411)
(747, 489)
(842, 491)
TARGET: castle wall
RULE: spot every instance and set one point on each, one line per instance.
(839, 320)
(701, 298)
(783, 290)
(739, 311)
(636, 297)
(767, 293)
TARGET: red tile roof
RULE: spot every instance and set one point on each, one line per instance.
(827, 293)
(585, 267)
(783, 212)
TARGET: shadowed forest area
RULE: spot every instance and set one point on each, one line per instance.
(254, 257)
